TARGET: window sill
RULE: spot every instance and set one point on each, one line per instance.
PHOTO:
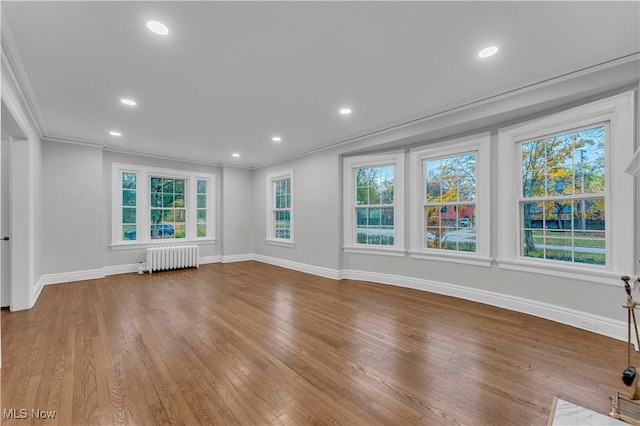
(453, 257)
(281, 243)
(383, 251)
(591, 273)
(138, 245)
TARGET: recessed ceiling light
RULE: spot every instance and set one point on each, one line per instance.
(276, 139)
(488, 51)
(345, 111)
(114, 133)
(129, 102)
(158, 27)
(235, 154)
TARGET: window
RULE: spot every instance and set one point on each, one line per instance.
(128, 222)
(566, 203)
(562, 203)
(155, 206)
(450, 201)
(374, 210)
(280, 207)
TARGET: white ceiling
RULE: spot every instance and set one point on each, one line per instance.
(230, 75)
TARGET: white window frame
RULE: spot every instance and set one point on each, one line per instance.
(143, 174)
(480, 144)
(397, 159)
(620, 200)
(270, 224)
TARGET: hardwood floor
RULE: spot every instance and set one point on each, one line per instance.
(249, 343)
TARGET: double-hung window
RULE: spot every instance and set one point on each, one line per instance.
(566, 203)
(152, 205)
(450, 201)
(280, 207)
(374, 204)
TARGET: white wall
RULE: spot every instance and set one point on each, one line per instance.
(73, 207)
(317, 195)
(237, 212)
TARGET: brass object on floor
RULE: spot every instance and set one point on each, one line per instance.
(628, 408)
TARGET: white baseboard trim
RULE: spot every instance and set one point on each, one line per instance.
(237, 258)
(36, 294)
(209, 259)
(67, 277)
(124, 269)
(334, 274)
(586, 321)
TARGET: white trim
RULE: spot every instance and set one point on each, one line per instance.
(480, 144)
(333, 274)
(236, 258)
(634, 166)
(395, 158)
(586, 321)
(280, 243)
(454, 257)
(581, 272)
(141, 246)
(381, 251)
(67, 277)
(124, 269)
(270, 237)
(209, 259)
(620, 221)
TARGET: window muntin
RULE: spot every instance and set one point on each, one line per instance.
(281, 212)
(449, 208)
(374, 209)
(128, 193)
(562, 200)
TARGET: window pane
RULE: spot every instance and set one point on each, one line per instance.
(202, 187)
(179, 187)
(156, 184)
(179, 215)
(128, 215)
(128, 197)
(129, 180)
(202, 216)
(128, 232)
(202, 230)
(202, 201)
(533, 183)
(560, 181)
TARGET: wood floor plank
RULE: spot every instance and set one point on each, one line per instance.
(249, 343)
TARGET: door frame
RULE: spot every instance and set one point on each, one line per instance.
(22, 171)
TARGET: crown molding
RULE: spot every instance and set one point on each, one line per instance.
(13, 63)
(394, 129)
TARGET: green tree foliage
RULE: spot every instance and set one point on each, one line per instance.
(565, 165)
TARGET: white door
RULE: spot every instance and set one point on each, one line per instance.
(5, 245)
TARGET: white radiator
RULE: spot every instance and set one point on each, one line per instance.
(172, 257)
